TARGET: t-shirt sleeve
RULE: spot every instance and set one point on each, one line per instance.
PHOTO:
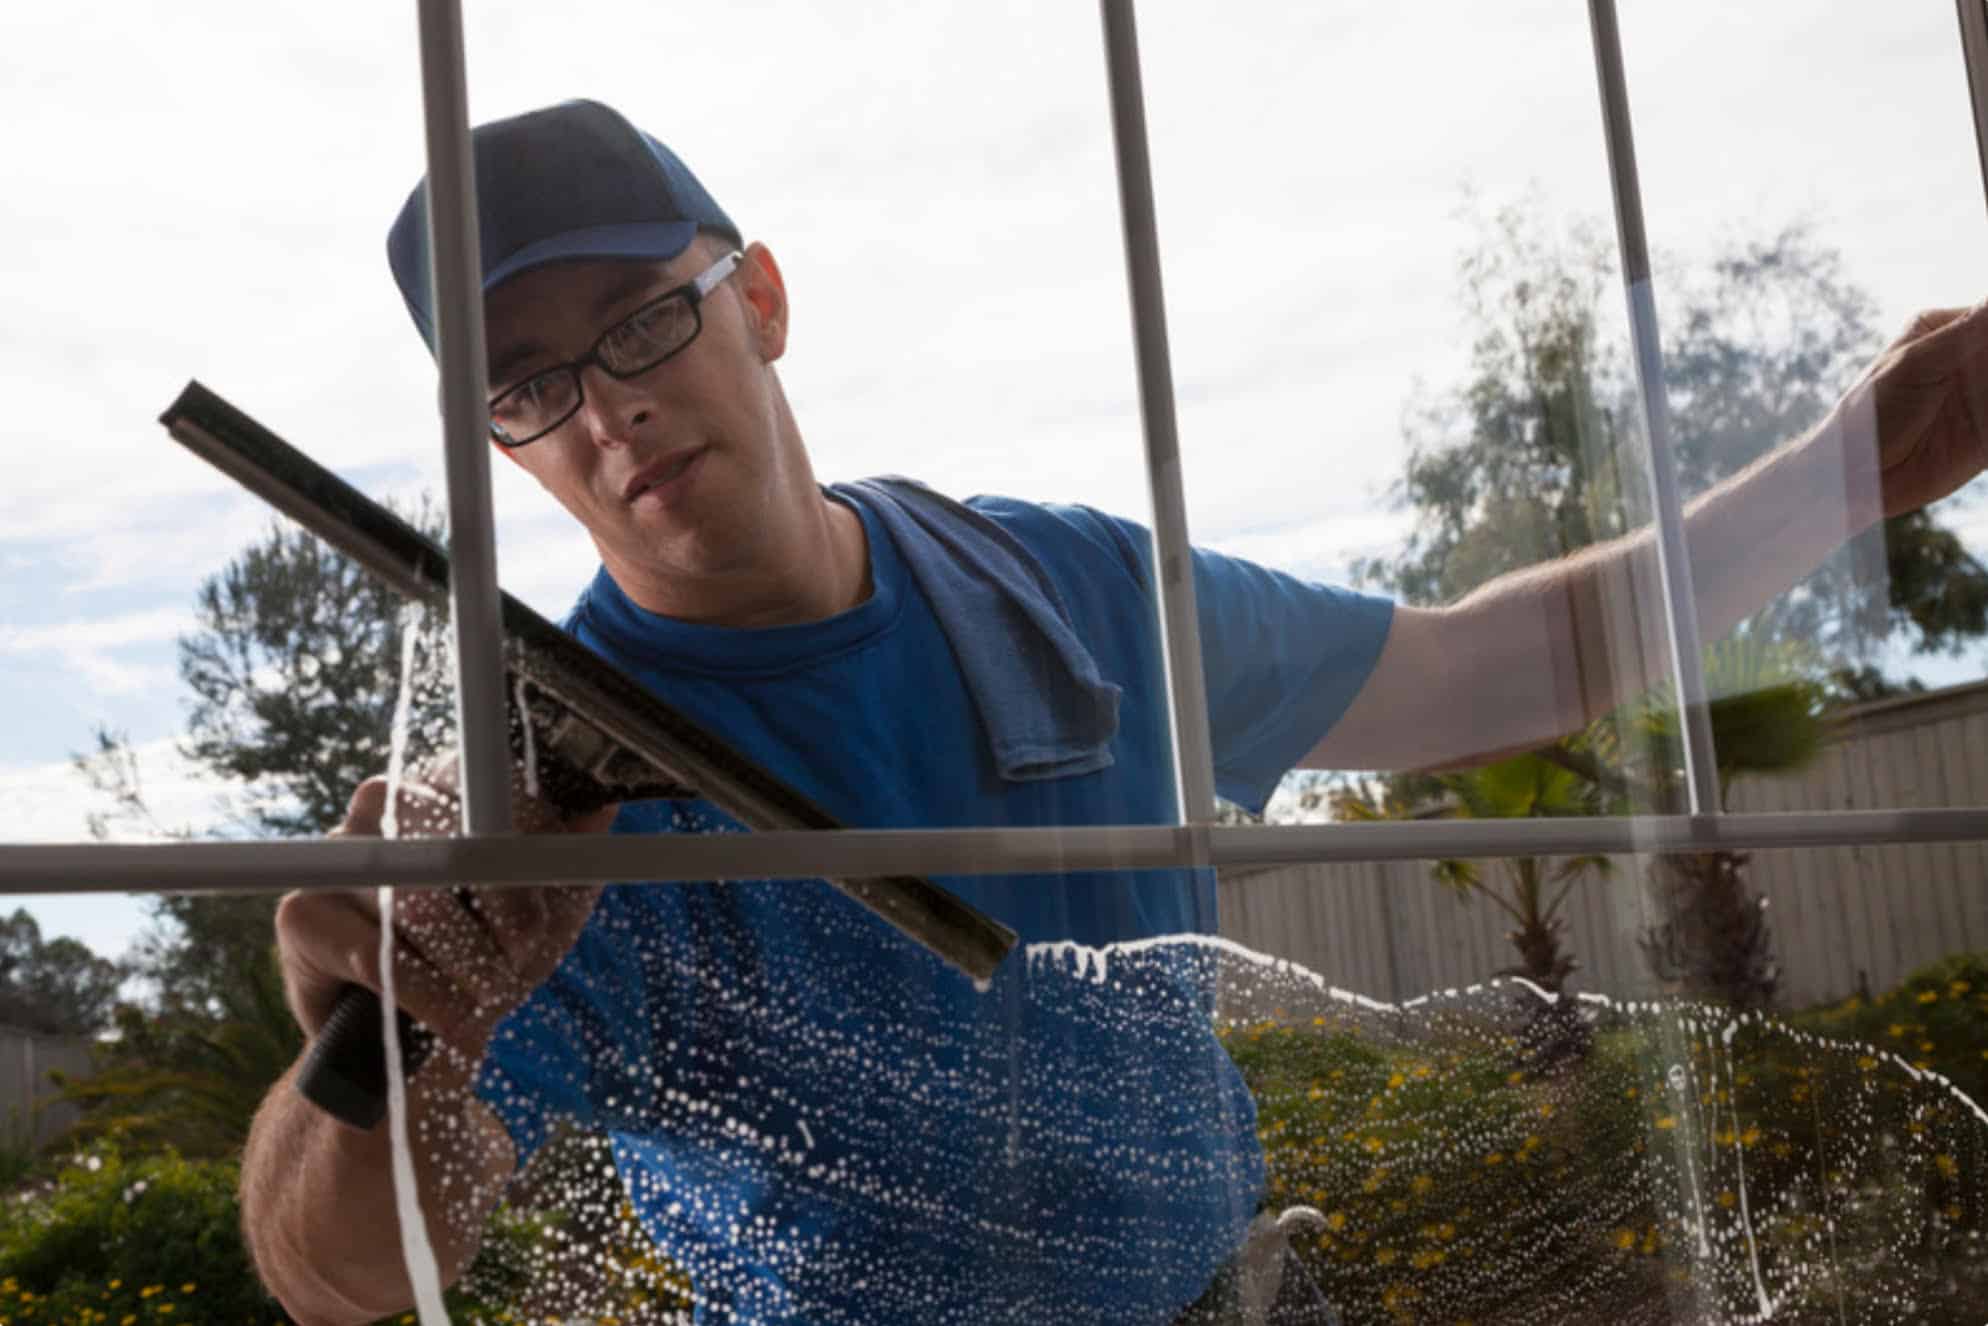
(1282, 658)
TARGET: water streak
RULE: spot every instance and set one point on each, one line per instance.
(417, 1253)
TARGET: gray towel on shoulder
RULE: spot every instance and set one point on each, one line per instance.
(1047, 712)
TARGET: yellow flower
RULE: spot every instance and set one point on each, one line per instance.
(1336, 1221)
(1384, 1256)
(1929, 996)
(1495, 1158)
(1958, 988)
(1515, 1079)
(127, 1319)
(1666, 1122)
(165, 1307)
(1625, 1239)
(1867, 1063)
(1749, 1137)
(117, 1284)
(1728, 1199)
(1947, 1165)
(1421, 1184)
(188, 1287)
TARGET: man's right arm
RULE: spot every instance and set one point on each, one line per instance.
(319, 1207)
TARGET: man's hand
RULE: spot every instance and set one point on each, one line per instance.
(1927, 396)
(463, 958)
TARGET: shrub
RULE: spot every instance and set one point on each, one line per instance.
(155, 1239)
(1691, 1157)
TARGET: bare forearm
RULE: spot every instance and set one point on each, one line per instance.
(1596, 618)
(1541, 652)
(319, 1209)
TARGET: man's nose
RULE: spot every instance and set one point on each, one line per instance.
(612, 408)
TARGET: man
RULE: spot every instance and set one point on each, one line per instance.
(811, 1116)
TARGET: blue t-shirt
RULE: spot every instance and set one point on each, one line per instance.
(818, 1120)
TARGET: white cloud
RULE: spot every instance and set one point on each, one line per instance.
(99, 648)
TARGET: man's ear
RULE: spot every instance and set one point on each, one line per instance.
(764, 291)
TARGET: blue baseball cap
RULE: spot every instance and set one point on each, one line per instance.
(575, 180)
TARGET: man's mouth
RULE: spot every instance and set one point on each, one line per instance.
(661, 474)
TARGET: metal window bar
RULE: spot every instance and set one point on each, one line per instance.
(457, 272)
(1680, 600)
(271, 867)
(1973, 15)
(1187, 689)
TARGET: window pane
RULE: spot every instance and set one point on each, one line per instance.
(1782, 271)
(1405, 366)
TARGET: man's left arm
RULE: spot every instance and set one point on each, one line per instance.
(1541, 652)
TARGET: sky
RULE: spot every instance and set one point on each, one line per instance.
(205, 193)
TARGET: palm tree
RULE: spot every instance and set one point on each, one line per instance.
(1714, 941)
(1768, 719)
(1529, 889)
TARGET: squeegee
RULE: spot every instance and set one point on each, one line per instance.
(594, 735)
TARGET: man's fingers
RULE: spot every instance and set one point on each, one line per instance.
(1931, 320)
(364, 812)
(534, 926)
(333, 939)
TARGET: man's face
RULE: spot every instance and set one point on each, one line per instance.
(672, 471)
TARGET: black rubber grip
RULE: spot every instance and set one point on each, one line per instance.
(345, 1071)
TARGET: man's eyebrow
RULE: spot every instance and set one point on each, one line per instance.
(514, 355)
(635, 282)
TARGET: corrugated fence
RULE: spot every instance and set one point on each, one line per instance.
(28, 1111)
(1841, 918)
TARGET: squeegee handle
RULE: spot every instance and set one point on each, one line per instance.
(345, 1071)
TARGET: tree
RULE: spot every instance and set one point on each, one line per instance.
(1537, 454)
(295, 667)
(1767, 718)
(1528, 889)
(295, 670)
(54, 986)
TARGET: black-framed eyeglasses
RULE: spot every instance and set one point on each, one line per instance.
(663, 327)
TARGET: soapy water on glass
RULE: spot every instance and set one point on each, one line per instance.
(1684, 1164)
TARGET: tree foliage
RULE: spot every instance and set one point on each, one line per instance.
(295, 669)
(1538, 453)
(54, 986)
